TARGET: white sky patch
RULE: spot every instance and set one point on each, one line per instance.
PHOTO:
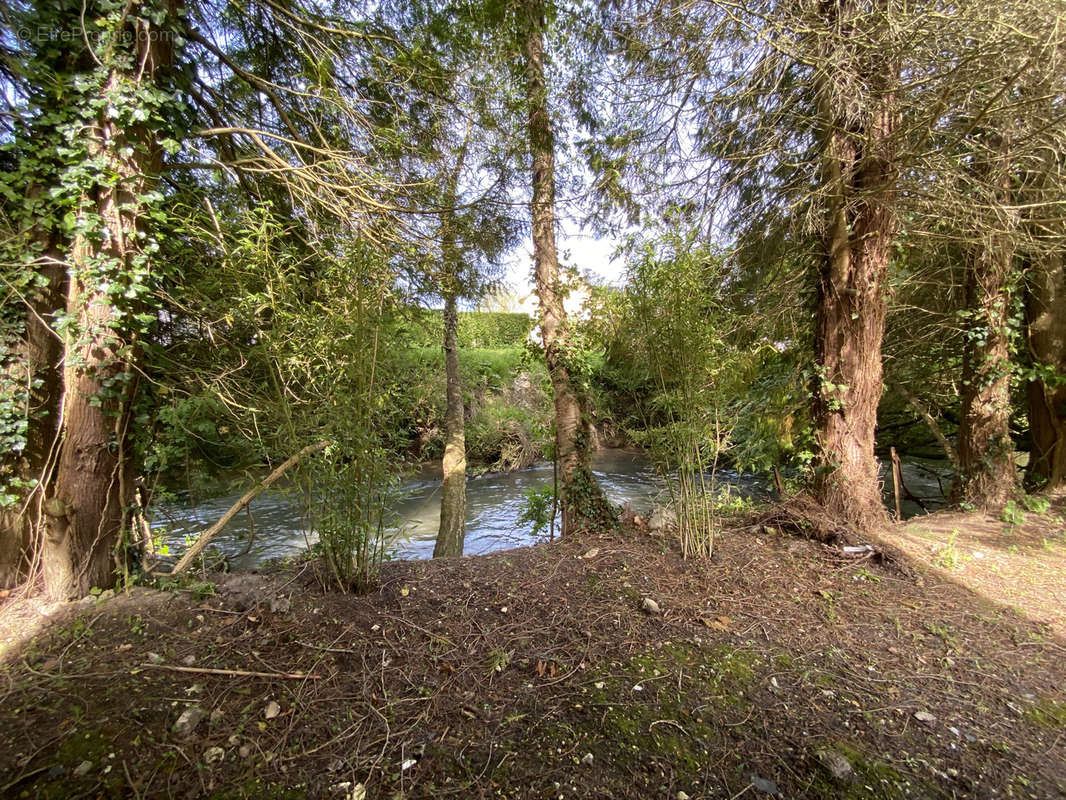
(578, 247)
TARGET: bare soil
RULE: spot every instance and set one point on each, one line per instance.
(535, 673)
(1018, 558)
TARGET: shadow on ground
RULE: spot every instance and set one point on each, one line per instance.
(780, 668)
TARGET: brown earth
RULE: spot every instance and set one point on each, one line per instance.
(1017, 558)
(534, 673)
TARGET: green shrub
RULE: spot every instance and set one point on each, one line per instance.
(538, 508)
(488, 329)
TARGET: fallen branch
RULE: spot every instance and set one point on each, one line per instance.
(237, 673)
(930, 421)
(209, 534)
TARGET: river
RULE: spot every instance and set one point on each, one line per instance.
(494, 505)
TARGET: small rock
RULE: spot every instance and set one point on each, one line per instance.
(280, 605)
(188, 721)
(272, 710)
(189, 660)
(407, 764)
(217, 715)
(682, 796)
(233, 740)
(154, 658)
(213, 755)
(649, 606)
(245, 751)
(82, 769)
(836, 764)
(662, 519)
(925, 717)
(587, 759)
(591, 553)
(765, 785)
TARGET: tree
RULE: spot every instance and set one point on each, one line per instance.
(108, 126)
(858, 114)
(987, 167)
(453, 489)
(583, 502)
(987, 476)
(108, 105)
(794, 112)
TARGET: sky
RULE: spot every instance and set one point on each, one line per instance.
(578, 247)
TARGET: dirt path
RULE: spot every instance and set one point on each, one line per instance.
(780, 669)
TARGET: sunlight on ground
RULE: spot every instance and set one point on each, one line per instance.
(21, 620)
(1017, 560)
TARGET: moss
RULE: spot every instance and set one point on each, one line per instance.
(874, 779)
(1048, 713)
(87, 745)
(90, 745)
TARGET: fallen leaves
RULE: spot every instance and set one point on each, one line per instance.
(719, 623)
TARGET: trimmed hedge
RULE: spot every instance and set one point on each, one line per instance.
(491, 329)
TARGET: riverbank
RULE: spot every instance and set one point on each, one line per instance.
(781, 665)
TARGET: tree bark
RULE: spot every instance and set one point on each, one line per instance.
(89, 495)
(453, 490)
(1045, 318)
(583, 502)
(860, 172)
(35, 365)
(987, 477)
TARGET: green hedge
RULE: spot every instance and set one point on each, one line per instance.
(491, 329)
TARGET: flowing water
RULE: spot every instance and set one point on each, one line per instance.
(494, 503)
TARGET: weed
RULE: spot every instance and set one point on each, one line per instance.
(864, 574)
(498, 660)
(947, 557)
(1013, 514)
(1036, 503)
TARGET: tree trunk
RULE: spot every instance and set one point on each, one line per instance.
(987, 477)
(860, 173)
(453, 491)
(583, 502)
(90, 492)
(34, 365)
(1045, 318)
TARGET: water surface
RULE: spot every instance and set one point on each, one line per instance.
(494, 503)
